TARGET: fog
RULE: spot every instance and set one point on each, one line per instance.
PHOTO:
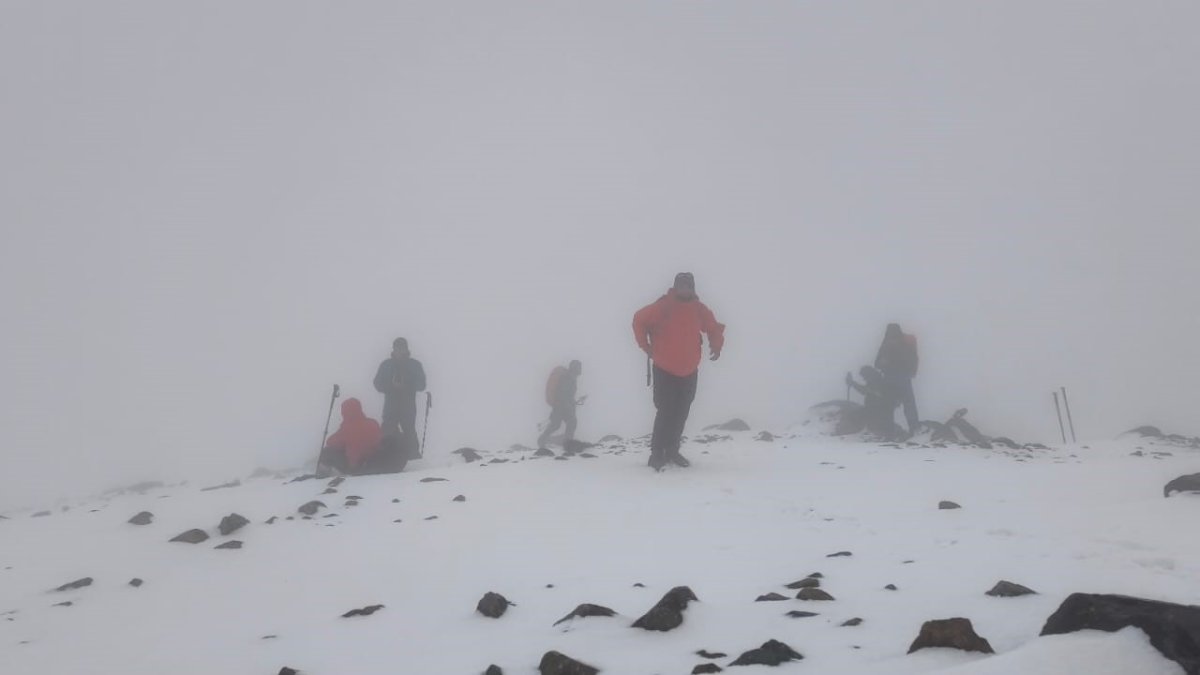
(214, 211)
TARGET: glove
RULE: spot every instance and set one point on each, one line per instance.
(714, 356)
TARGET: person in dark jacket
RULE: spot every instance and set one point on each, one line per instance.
(669, 331)
(563, 403)
(399, 378)
(898, 361)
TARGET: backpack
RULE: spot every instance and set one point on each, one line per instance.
(556, 376)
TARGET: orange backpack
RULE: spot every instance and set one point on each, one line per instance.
(552, 384)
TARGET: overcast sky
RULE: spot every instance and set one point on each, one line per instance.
(214, 211)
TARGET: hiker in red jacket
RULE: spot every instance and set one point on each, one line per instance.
(669, 332)
(898, 361)
(352, 446)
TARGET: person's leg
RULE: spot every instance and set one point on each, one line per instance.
(910, 405)
(551, 427)
(410, 445)
(685, 395)
(572, 422)
(663, 399)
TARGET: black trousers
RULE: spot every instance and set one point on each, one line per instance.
(673, 396)
(900, 390)
(400, 422)
(558, 416)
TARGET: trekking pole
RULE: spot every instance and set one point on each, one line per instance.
(649, 371)
(425, 429)
(336, 392)
(1060, 423)
(1067, 405)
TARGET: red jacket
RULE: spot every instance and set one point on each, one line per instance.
(359, 435)
(671, 329)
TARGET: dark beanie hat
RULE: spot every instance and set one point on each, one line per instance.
(686, 279)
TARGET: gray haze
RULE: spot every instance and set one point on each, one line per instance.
(213, 211)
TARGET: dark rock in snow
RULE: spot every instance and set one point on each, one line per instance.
(192, 537)
(639, 585)
(948, 506)
(840, 554)
(890, 587)
(1189, 483)
(469, 454)
(40, 514)
(814, 595)
(492, 605)
(856, 621)
(311, 508)
(586, 610)
(232, 523)
(734, 424)
(555, 663)
(365, 611)
(499, 460)
(233, 544)
(611, 438)
(704, 654)
(770, 597)
(330, 491)
(223, 486)
(797, 614)
(68, 603)
(272, 519)
(1007, 589)
(771, 653)
(706, 668)
(765, 436)
(288, 671)
(432, 518)
(668, 613)
(434, 479)
(816, 575)
(954, 633)
(544, 452)
(301, 479)
(807, 582)
(143, 518)
(336, 482)
(75, 585)
(460, 498)
(493, 670)
(136, 583)
(1173, 629)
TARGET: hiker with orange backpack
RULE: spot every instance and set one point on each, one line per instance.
(898, 361)
(561, 389)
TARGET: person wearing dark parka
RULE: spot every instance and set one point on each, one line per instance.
(399, 379)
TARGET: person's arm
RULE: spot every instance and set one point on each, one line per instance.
(644, 322)
(383, 382)
(715, 331)
(418, 376)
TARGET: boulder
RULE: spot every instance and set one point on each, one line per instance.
(136, 583)
(232, 523)
(232, 544)
(1173, 629)
(40, 514)
(288, 671)
(856, 621)
(492, 605)
(460, 498)
(1188, 483)
(771, 653)
(798, 614)
(143, 518)
(806, 582)
(705, 654)
(611, 438)
(770, 597)
(555, 663)
(469, 454)
(706, 668)
(1007, 589)
(434, 479)
(311, 508)
(544, 452)
(840, 554)
(814, 595)
(75, 585)
(192, 537)
(493, 670)
(668, 613)
(363, 611)
(586, 610)
(765, 436)
(948, 506)
(954, 633)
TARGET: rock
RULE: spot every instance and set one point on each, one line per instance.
(797, 614)
(460, 498)
(639, 585)
(68, 603)
(816, 575)
(469, 454)
(1189, 483)
(288, 671)
(336, 482)
(706, 668)
(840, 554)
(544, 452)
(575, 447)
(813, 595)
(272, 519)
(434, 479)
(586, 610)
(890, 587)
(192, 537)
(498, 460)
(771, 653)
(331, 515)
(232, 523)
(1007, 589)
(948, 506)
(432, 518)
(75, 585)
(143, 518)
(710, 655)
(765, 436)
(807, 582)
(233, 544)
(40, 514)
(1173, 629)
(955, 633)
(223, 486)
(330, 491)
(734, 424)
(611, 438)
(492, 605)
(770, 597)
(493, 670)
(136, 583)
(668, 613)
(852, 623)
(554, 663)
(311, 508)
(364, 611)
(301, 479)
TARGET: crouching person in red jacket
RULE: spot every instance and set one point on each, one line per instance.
(354, 447)
(669, 331)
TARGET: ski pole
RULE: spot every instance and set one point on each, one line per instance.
(1067, 405)
(425, 428)
(336, 392)
(1057, 409)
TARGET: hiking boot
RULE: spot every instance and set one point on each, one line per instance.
(657, 462)
(678, 460)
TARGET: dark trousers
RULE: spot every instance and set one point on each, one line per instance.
(673, 396)
(900, 390)
(558, 416)
(400, 423)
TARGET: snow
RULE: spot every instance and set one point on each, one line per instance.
(746, 519)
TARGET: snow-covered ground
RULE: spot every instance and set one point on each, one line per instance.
(746, 519)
